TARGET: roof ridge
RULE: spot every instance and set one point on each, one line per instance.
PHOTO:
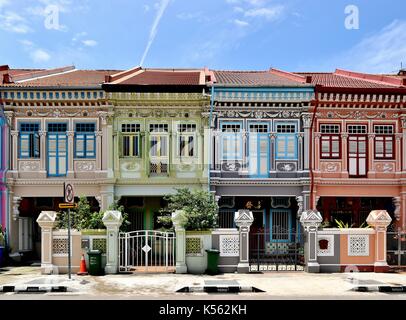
(40, 73)
(290, 75)
(378, 79)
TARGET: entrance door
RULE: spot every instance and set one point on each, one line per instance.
(357, 156)
(258, 150)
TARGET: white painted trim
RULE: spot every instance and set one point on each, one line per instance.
(47, 76)
(352, 231)
(346, 264)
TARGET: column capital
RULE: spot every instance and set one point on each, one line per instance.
(70, 133)
(311, 219)
(16, 206)
(14, 133)
(307, 120)
(42, 133)
(243, 219)
(403, 120)
(378, 219)
(99, 133)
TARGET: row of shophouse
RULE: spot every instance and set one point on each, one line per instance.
(273, 142)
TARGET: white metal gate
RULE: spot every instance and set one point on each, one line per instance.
(147, 251)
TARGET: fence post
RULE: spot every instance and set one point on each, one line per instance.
(243, 220)
(178, 222)
(112, 220)
(311, 220)
(380, 220)
(46, 221)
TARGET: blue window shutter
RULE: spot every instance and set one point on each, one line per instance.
(24, 145)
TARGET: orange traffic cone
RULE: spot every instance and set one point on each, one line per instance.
(83, 270)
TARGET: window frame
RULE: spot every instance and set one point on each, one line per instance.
(87, 135)
(186, 134)
(237, 137)
(31, 139)
(286, 136)
(330, 140)
(136, 135)
(385, 136)
(60, 135)
(159, 135)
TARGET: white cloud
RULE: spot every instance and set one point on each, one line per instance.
(40, 55)
(238, 9)
(90, 43)
(146, 8)
(4, 3)
(161, 7)
(378, 53)
(241, 23)
(270, 13)
(26, 43)
(13, 22)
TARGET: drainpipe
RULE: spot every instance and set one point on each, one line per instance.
(311, 150)
(4, 166)
(210, 136)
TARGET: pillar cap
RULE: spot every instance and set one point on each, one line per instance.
(311, 218)
(179, 219)
(47, 219)
(379, 218)
(243, 218)
(112, 218)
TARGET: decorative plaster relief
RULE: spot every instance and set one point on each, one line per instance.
(286, 166)
(85, 166)
(130, 166)
(29, 165)
(358, 245)
(384, 167)
(330, 167)
(329, 252)
(229, 245)
(231, 166)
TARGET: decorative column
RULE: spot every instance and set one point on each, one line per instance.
(244, 169)
(371, 170)
(16, 207)
(311, 220)
(71, 173)
(344, 155)
(396, 202)
(302, 156)
(299, 200)
(403, 123)
(46, 221)
(398, 151)
(14, 142)
(99, 135)
(179, 220)
(243, 220)
(316, 154)
(112, 220)
(380, 220)
(307, 122)
(43, 143)
(272, 140)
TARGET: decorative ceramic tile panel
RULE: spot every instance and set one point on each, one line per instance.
(329, 252)
(99, 244)
(230, 245)
(59, 246)
(194, 247)
(274, 248)
(358, 245)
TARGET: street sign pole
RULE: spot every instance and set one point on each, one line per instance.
(69, 248)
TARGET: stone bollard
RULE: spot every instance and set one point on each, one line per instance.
(46, 221)
(243, 220)
(311, 220)
(178, 220)
(112, 220)
(380, 220)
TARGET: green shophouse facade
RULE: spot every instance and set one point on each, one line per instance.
(159, 126)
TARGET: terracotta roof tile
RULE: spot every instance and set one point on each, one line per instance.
(255, 79)
(162, 77)
(75, 78)
(330, 79)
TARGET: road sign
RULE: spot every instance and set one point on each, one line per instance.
(68, 193)
(68, 205)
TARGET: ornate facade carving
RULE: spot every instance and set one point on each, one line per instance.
(16, 207)
(385, 167)
(330, 167)
(30, 165)
(259, 114)
(396, 202)
(85, 166)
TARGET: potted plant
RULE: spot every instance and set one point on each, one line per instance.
(199, 216)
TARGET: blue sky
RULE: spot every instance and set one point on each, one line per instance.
(294, 35)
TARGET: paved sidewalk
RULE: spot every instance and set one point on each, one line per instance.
(282, 285)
